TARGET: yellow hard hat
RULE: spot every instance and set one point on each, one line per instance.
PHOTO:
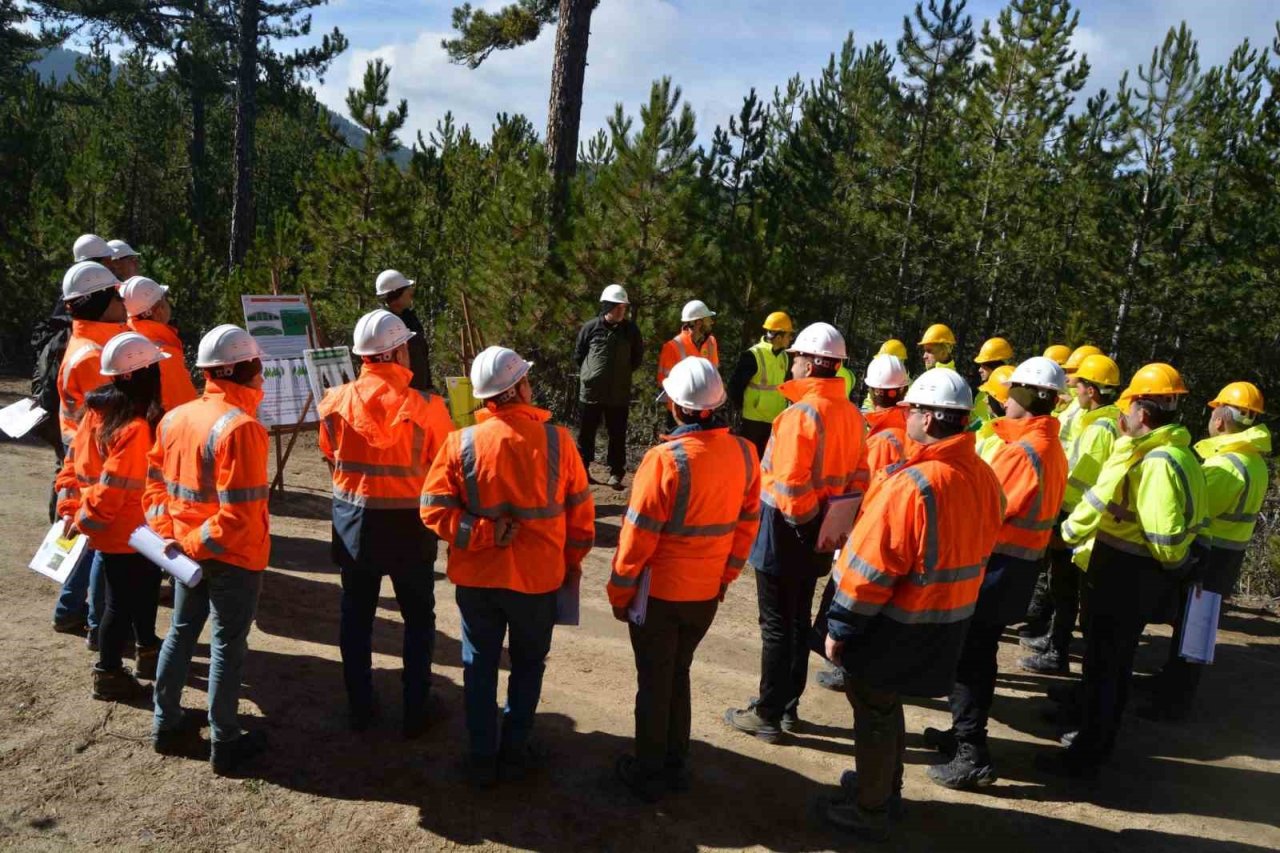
(1155, 380)
(894, 347)
(1078, 355)
(997, 384)
(1100, 370)
(994, 349)
(938, 333)
(1058, 352)
(1239, 395)
(778, 321)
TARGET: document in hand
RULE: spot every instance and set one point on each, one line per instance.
(18, 419)
(148, 544)
(638, 609)
(568, 600)
(838, 522)
(56, 556)
(1200, 626)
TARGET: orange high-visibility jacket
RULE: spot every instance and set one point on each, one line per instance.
(513, 463)
(817, 450)
(908, 578)
(1032, 468)
(381, 436)
(176, 387)
(681, 347)
(101, 488)
(80, 371)
(887, 440)
(694, 510)
(207, 477)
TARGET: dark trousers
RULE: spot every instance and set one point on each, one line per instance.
(786, 603)
(663, 648)
(1065, 580)
(1040, 610)
(975, 682)
(133, 594)
(414, 587)
(879, 742)
(615, 423)
(756, 432)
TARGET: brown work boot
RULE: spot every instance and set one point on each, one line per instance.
(144, 661)
(117, 685)
(749, 720)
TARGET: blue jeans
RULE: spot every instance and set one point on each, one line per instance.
(86, 581)
(230, 594)
(487, 615)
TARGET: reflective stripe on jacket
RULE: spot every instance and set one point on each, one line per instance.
(887, 440)
(908, 578)
(681, 347)
(513, 463)
(207, 477)
(1235, 476)
(1096, 434)
(80, 371)
(817, 450)
(1067, 419)
(762, 401)
(102, 491)
(1032, 470)
(176, 387)
(694, 510)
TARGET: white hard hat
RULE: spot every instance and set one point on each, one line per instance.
(820, 339)
(140, 294)
(226, 345)
(940, 388)
(91, 247)
(695, 310)
(378, 332)
(86, 277)
(616, 294)
(389, 281)
(121, 249)
(693, 384)
(886, 371)
(127, 352)
(1040, 372)
(496, 369)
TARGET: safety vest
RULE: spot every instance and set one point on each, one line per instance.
(207, 477)
(80, 371)
(1067, 420)
(844, 374)
(1096, 434)
(681, 347)
(987, 441)
(949, 365)
(887, 438)
(513, 463)
(1032, 470)
(101, 488)
(817, 450)
(693, 514)
(1236, 478)
(1149, 500)
(762, 401)
(176, 387)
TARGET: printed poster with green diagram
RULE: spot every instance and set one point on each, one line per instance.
(280, 324)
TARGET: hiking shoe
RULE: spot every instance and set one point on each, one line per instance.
(117, 685)
(849, 782)
(749, 721)
(184, 740)
(615, 482)
(968, 769)
(145, 660)
(73, 624)
(228, 756)
(1046, 663)
(1037, 644)
(943, 740)
(648, 787)
(846, 815)
(831, 678)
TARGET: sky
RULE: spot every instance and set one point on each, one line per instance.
(714, 50)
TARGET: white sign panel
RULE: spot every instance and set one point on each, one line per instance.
(280, 324)
(285, 391)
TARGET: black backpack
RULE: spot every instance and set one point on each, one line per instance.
(49, 341)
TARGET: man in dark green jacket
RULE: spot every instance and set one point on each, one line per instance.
(608, 351)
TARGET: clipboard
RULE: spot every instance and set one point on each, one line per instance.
(837, 524)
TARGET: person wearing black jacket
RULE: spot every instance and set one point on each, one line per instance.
(396, 293)
(608, 350)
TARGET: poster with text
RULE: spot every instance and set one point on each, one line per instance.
(285, 391)
(280, 324)
(329, 368)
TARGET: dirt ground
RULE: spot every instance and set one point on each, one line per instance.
(80, 773)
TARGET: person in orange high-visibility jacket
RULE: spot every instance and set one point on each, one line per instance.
(694, 510)
(817, 452)
(381, 435)
(207, 493)
(510, 496)
(149, 315)
(1032, 468)
(100, 490)
(695, 339)
(907, 584)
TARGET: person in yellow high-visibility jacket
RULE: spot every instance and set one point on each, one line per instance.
(937, 347)
(753, 386)
(994, 353)
(1067, 416)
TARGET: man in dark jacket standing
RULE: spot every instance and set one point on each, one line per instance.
(396, 293)
(608, 351)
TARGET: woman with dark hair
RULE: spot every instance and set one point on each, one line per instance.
(100, 495)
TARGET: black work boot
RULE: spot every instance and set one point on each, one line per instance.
(943, 740)
(749, 720)
(184, 740)
(831, 677)
(228, 756)
(1049, 662)
(1035, 628)
(968, 769)
(117, 685)
(1037, 644)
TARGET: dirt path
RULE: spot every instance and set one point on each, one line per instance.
(75, 772)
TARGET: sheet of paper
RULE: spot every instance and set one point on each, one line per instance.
(568, 600)
(838, 522)
(56, 557)
(638, 609)
(1200, 626)
(18, 419)
(148, 544)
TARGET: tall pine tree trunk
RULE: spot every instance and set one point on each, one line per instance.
(246, 115)
(1136, 248)
(198, 144)
(568, 72)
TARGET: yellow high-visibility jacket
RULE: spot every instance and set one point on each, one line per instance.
(1067, 417)
(1089, 450)
(1235, 476)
